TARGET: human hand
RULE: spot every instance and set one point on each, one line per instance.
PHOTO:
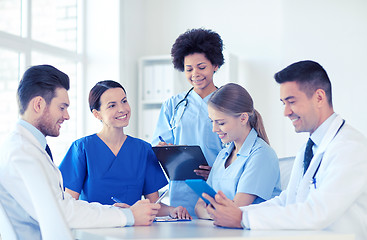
(203, 171)
(144, 212)
(180, 213)
(200, 210)
(223, 211)
(161, 144)
(121, 205)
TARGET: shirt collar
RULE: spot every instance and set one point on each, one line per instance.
(320, 132)
(197, 96)
(246, 146)
(249, 142)
(35, 132)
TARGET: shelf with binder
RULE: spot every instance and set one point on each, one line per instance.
(158, 81)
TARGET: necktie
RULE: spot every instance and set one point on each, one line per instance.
(48, 150)
(308, 155)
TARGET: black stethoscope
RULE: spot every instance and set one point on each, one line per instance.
(313, 180)
(184, 101)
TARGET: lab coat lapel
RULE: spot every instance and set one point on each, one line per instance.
(305, 183)
(32, 140)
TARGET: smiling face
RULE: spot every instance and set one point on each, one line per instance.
(199, 71)
(304, 112)
(229, 128)
(115, 110)
(54, 114)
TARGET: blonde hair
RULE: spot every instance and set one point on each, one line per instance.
(233, 99)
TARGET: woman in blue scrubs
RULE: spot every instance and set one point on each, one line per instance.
(110, 163)
(183, 119)
(247, 171)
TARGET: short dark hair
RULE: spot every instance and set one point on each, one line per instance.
(97, 91)
(197, 41)
(309, 75)
(40, 80)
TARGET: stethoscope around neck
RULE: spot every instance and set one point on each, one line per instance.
(174, 123)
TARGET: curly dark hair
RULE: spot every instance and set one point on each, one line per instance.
(197, 41)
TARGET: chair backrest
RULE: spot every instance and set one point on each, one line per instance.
(285, 165)
(7, 231)
(16, 223)
(49, 215)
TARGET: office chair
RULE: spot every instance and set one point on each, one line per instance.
(50, 217)
(285, 165)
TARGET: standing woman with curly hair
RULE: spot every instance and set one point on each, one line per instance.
(183, 119)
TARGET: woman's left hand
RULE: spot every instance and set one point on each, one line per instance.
(180, 213)
(203, 171)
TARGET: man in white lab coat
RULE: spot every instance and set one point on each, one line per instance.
(331, 193)
(43, 101)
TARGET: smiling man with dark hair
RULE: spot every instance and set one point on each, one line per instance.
(328, 183)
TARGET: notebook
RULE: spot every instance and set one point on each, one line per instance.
(179, 161)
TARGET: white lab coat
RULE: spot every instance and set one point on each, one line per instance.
(21, 147)
(339, 202)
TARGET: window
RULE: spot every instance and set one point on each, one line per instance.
(36, 32)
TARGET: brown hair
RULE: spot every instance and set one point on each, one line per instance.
(233, 99)
(97, 91)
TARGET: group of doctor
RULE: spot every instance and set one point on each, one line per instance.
(111, 163)
(330, 193)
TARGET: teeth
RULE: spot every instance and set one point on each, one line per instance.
(122, 117)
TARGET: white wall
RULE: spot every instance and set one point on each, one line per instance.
(102, 44)
(267, 35)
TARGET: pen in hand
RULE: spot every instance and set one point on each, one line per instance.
(119, 203)
(161, 197)
(116, 200)
(161, 139)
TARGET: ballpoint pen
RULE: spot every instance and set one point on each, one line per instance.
(162, 196)
(116, 200)
(161, 139)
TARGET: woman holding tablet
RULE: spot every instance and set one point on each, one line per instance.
(110, 165)
(247, 171)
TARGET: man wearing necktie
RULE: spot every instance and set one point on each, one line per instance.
(43, 103)
(335, 159)
(308, 155)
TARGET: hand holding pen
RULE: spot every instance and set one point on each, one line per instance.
(162, 196)
(119, 203)
(163, 142)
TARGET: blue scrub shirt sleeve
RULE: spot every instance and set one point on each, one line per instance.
(261, 174)
(73, 167)
(154, 176)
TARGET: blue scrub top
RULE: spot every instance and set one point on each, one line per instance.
(91, 169)
(255, 171)
(193, 128)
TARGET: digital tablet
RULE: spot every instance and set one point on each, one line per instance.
(200, 186)
(180, 161)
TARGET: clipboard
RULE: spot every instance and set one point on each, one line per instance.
(179, 161)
